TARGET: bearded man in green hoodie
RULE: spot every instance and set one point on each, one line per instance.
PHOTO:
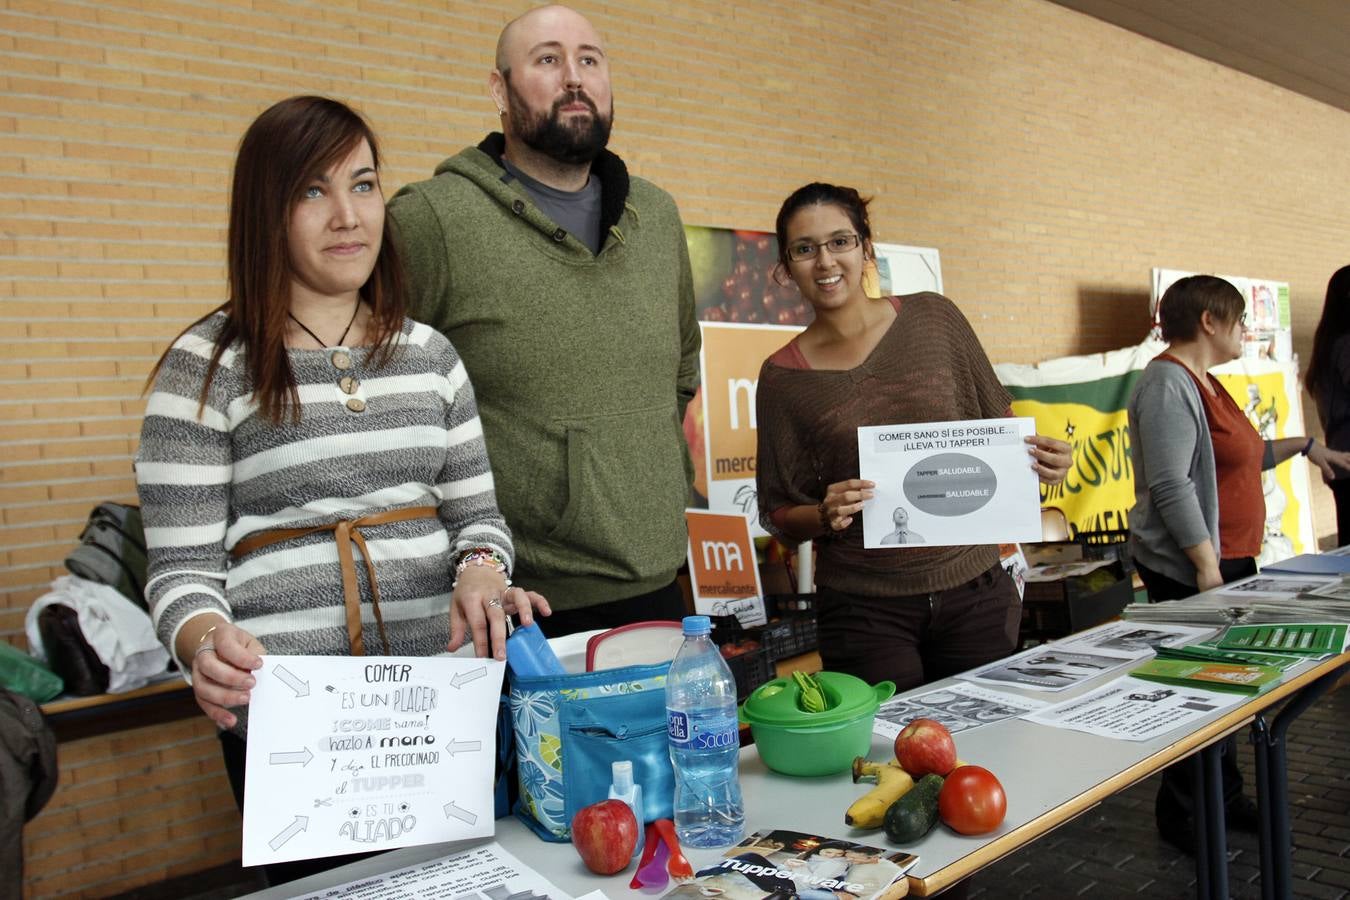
(564, 284)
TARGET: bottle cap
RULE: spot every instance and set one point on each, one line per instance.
(621, 774)
(697, 625)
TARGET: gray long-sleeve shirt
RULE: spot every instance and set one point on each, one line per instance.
(1176, 492)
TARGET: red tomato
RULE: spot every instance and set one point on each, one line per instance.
(972, 801)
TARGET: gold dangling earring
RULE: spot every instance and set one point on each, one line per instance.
(871, 277)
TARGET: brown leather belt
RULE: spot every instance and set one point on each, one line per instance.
(346, 533)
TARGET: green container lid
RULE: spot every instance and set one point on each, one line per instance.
(847, 697)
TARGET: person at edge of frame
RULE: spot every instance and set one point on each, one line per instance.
(1199, 514)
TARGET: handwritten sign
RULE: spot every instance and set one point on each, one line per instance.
(359, 754)
(946, 483)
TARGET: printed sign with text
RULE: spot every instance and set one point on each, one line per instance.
(722, 566)
(947, 483)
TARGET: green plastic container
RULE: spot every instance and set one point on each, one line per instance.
(794, 742)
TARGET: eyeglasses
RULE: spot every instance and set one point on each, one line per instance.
(840, 243)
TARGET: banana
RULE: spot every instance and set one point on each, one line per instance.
(893, 782)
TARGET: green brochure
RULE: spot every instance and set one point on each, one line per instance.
(1306, 639)
(1213, 676)
(1208, 651)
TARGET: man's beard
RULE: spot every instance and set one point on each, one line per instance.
(573, 144)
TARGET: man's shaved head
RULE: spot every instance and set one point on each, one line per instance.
(523, 31)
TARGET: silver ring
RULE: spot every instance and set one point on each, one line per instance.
(495, 602)
(202, 649)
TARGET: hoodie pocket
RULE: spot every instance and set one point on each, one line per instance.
(627, 488)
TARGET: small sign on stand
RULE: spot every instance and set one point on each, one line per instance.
(722, 567)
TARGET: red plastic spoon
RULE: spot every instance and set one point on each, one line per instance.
(679, 866)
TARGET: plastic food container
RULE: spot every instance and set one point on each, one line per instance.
(794, 742)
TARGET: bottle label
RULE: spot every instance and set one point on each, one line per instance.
(715, 732)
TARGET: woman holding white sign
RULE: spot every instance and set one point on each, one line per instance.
(312, 471)
(909, 614)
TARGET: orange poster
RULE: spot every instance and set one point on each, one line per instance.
(732, 355)
(722, 566)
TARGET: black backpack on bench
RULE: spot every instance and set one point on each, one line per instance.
(112, 550)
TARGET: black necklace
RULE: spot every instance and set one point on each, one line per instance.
(318, 339)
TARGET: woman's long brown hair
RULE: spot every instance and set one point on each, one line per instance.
(284, 149)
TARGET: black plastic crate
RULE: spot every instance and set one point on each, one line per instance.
(777, 639)
(750, 668)
(805, 637)
(791, 631)
(726, 629)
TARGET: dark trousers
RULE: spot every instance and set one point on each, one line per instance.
(1176, 793)
(234, 749)
(663, 604)
(915, 639)
(1340, 489)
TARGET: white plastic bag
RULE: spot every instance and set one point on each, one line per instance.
(118, 631)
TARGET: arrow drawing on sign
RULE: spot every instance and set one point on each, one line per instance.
(300, 824)
(281, 759)
(301, 688)
(458, 812)
(462, 678)
(462, 746)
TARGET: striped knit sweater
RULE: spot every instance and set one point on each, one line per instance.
(208, 482)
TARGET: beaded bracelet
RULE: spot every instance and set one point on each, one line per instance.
(825, 520)
(480, 556)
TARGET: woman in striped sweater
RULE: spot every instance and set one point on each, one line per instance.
(312, 469)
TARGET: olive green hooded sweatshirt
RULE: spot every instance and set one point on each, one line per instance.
(582, 365)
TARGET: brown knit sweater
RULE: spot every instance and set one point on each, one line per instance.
(929, 367)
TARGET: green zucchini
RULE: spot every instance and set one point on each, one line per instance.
(915, 813)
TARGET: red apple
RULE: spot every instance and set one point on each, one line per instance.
(925, 746)
(605, 834)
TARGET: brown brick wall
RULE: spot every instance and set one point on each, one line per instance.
(133, 808)
(1051, 158)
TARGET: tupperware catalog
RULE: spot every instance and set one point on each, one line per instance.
(784, 864)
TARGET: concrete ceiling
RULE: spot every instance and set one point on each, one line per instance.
(1302, 45)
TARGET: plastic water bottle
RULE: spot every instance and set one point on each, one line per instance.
(704, 741)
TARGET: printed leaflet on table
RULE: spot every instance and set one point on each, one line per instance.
(1131, 709)
(958, 706)
(487, 872)
(1071, 661)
